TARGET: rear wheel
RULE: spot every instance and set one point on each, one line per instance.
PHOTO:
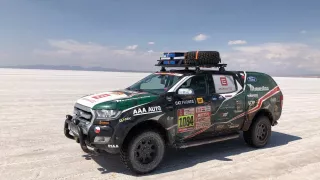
(259, 133)
(144, 152)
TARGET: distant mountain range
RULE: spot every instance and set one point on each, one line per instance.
(74, 68)
(79, 68)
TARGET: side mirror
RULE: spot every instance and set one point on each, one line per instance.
(185, 91)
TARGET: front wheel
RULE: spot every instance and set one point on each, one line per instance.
(144, 152)
(259, 133)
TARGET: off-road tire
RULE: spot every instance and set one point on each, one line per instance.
(203, 57)
(251, 137)
(128, 153)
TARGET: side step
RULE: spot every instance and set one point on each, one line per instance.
(208, 141)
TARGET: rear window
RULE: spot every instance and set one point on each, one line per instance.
(224, 83)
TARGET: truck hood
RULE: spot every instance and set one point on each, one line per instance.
(116, 99)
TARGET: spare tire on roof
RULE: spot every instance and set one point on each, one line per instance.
(202, 58)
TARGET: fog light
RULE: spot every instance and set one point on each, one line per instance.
(97, 130)
(100, 139)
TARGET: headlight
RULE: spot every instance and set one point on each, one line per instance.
(107, 114)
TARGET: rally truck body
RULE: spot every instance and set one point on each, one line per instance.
(179, 108)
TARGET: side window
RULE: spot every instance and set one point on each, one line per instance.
(197, 83)
(224, 83)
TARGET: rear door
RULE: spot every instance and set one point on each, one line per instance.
(228, 102)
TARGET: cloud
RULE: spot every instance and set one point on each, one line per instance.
(71, 52)
(132, 47)
(200, 37)
(237, 42)
(303, 31)
(293, 58)
(273, 58)
(151, 43)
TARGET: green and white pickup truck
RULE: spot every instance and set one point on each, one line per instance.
(177, 108)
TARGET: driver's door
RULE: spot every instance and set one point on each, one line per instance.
(192, 107)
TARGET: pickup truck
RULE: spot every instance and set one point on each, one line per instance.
(177, 108)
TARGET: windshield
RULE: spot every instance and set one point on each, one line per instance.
(156, 83)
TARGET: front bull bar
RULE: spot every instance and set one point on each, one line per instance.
(80, 138)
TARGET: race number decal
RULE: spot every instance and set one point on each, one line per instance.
(186, 120)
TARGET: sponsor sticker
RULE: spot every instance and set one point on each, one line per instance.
(125, 119)
(203, 117)
(251, 103)
(113, 146)
(220, 127)
(239, 107)
(149, 110)
(200, 100)
(223, 81)
(225, 88)
(203, 109)
(203, 122)
(251, 79)
(231, 125)
(186, 121)
(190, 101)
(188, 111)
(100, 96)
(253, 95)
(225, 114)
(262, 88)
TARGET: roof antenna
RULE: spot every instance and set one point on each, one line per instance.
(163, 69)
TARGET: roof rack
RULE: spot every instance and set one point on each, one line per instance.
(180, 62)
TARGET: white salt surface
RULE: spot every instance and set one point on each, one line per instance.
(33, 105)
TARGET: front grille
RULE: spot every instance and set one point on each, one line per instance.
(83, 112)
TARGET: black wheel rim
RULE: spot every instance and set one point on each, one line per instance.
(262, 132)
(146, 150)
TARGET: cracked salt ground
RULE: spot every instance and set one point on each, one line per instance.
(32, 145)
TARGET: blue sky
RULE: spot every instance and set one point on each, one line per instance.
(109, 33)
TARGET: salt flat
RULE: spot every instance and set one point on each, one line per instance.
(33, 104)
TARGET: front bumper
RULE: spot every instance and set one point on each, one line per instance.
(86, 136)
